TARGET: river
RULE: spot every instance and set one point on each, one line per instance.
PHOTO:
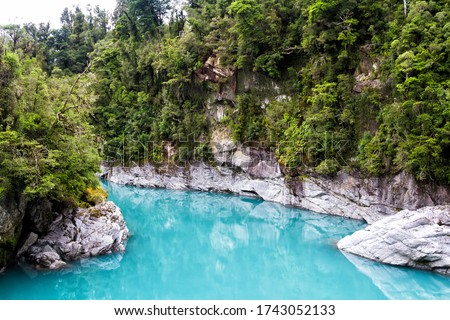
(193, 245)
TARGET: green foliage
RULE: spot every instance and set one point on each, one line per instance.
(66, 48)
(139, 18)
(328, 167)
(246, 122)
(147, 91)
(367, 87)
(371, 155)
(95, 196)
(249, 28)
(413, 130)
(47, 148)
(290, 150)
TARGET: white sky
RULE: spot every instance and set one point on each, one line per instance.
(22, 11)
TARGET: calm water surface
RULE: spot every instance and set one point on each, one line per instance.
(190, 245)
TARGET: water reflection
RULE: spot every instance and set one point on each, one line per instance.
(190, 245)
(402, 283)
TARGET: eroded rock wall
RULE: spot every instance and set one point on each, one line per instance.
(76, 234)
(12, 212)
(347, 195)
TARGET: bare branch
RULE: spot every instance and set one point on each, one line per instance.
(64, 109)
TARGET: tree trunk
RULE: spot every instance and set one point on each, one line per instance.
(404, 7)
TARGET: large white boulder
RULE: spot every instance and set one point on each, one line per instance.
(414, 238)
(80, 233)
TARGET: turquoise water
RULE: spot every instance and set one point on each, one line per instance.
(190, 245)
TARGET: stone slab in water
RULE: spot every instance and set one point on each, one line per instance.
(418, 239)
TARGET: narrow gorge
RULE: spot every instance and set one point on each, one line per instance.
(337, 107)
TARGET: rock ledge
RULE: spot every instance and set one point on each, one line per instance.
(76, 234)
(347, 195)
(418, 239)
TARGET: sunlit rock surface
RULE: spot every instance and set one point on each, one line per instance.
(418, 239)
(369, 199)
(76, 234)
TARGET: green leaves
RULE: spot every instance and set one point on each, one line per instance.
(365, 85)
(25, 164)
(246, 122)
(248, 28)
(140, 18)
(11, 61)
(422, 155)
(48, 150)
(320, 10)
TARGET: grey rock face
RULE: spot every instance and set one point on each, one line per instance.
(40, 215)
(345, 195)
(368, 198)
(15, 211)
(222, 146)
(31, 239)
(80, 233)
(11, 216)
(418, 239)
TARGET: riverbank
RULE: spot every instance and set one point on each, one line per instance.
(347, 195)
(76, 234)
(48, 237)
(376, 200)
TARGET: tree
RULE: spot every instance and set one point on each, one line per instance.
(15, 32)
(140, 18)
(47, 149)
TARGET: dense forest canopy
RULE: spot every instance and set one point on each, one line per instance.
(365, 85)
(48, 149)
(367, 81)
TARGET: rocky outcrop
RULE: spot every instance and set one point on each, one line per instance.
(222, 146)
(347, 195)
(368, 198)
(39, 215)
(256, 162)
(214, 71)
(418, 239)
(11, 216)
(76, 234)
(367, 74)
(19, 216)
(246, 169)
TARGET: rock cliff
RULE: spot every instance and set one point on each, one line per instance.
(347, 195)
(12, 212)
(414, 237)
(76, 234)
(247, 170)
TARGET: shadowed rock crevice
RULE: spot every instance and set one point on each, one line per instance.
(76, 234)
